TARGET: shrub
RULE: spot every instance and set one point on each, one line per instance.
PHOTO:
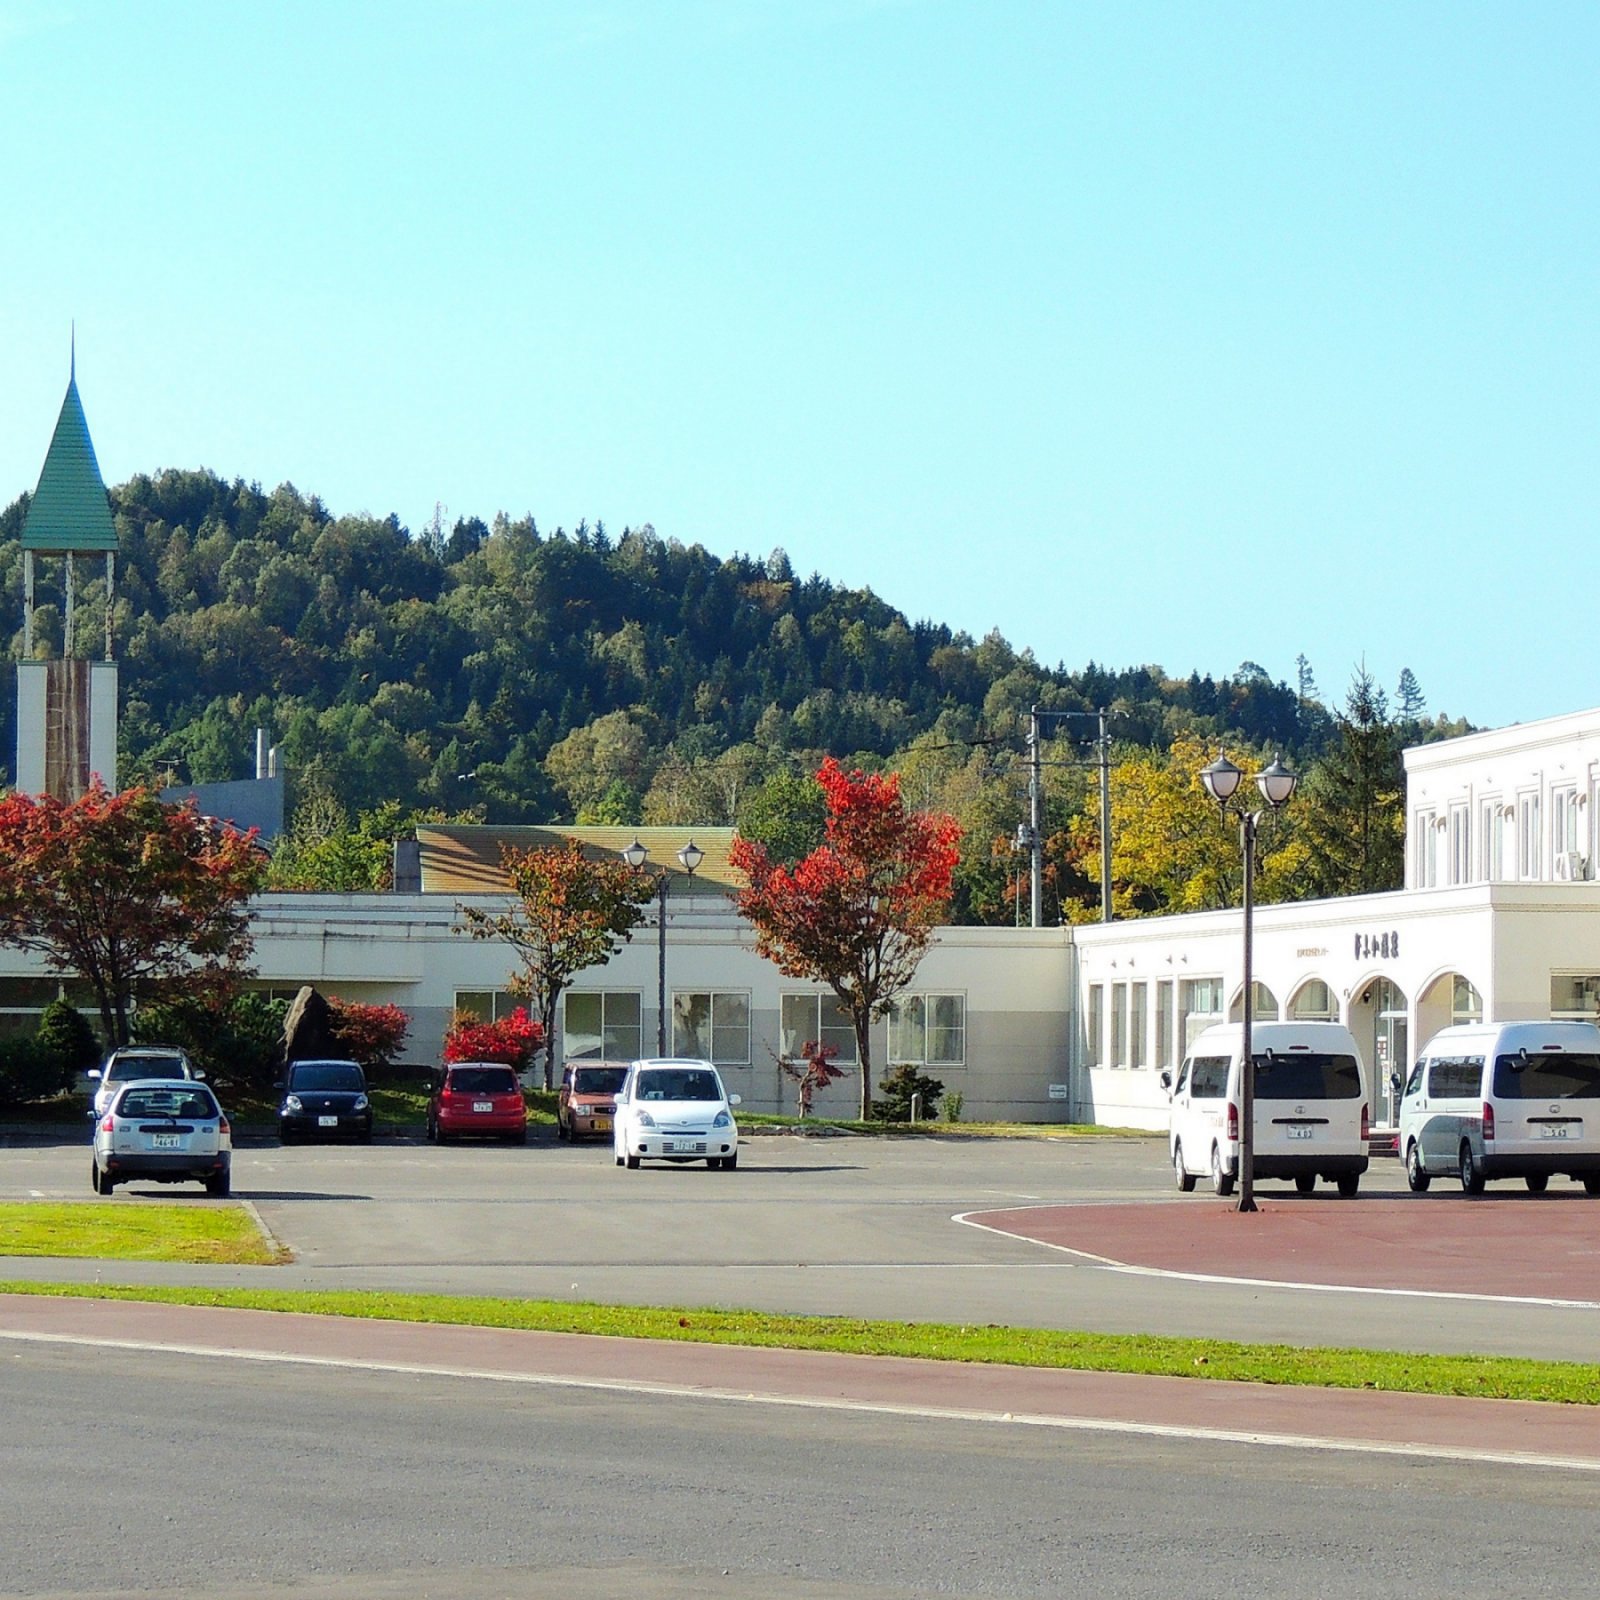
(27, 1071)
(513, 1039)
(812, 1071)
(65, 1036)
(370, 1034)
(898, 1086)
(950, 1111)
(237, 1044)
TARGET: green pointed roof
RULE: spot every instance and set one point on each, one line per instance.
(69, 510)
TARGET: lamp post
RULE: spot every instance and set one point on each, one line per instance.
(689, 857)
(1276, 783)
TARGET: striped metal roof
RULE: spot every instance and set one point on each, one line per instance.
(69, 510)
(465, 859)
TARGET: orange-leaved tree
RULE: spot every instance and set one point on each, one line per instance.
(859, 912)
(140, 900)
(573, 912)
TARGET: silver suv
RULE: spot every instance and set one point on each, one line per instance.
(137, 1061)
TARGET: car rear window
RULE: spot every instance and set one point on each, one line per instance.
(1553, 1076)
(151, 1066)
(678, 1083)
(482, 1080)
(1307, 1075)
(1209, 1078)
(330, 1076)
(598, 1080)
(195, 1104)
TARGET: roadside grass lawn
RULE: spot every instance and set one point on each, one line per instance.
(109, 1230)
(1496, 1377)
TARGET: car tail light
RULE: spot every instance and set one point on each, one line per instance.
(1366, 1123)
(1233, 1120)
(222, 1126)
(109, 1125)
(1488, 1122)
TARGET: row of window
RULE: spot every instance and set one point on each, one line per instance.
(1509, 841)
(1181, 1009)
(926, 1030)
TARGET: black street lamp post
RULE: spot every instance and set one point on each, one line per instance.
(1222, 779)
(689, 857)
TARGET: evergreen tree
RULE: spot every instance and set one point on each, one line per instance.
(1409, 698)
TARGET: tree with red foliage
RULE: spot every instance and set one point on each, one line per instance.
(512, 1039)
(859, 912)
(140, 900)
(369, 1034)
(813, 1070)
(573, 912)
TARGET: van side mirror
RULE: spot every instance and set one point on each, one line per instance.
(1394, 1082)
(734, 1100)
(93, 1072)
(200, 1077)
(1166, 1080)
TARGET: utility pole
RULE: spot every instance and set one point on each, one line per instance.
(1035, 823)
(1104, 742)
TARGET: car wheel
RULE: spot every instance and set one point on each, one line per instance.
(632, 1163)
(1305, 1182)
(365, 1136)
(616, 1160)
(713, 1163)
(221, 1186)
(730, 1162)
(1417, 1176)
(520, 1137)
(1471, 1172)
(1591, 1183)
(1221, 1181)
(1537, 1182)
(1181, 1175)
(430, 1133)
(1349, 1184)
(97, 1180)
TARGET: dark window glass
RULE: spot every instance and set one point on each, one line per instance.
(482, 1080)
(1208, 1079)
(1414, 1083)
(678, 1084)
(333, 1077)
(598, 1080)
(1307, 1075)
(195, 1104)
(1527, 1076)
(1456, 1078)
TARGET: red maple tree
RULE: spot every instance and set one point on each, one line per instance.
(140, 900)
(859, 912)
(512, 1039)
(370, 1034)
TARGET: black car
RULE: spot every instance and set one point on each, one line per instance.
(324, 1100)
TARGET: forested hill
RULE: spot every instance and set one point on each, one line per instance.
(535, 676)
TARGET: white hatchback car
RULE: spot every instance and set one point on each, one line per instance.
(163, 1130)
(672, 1110)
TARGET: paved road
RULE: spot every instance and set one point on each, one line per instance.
(848, 1226)
(207, 1475)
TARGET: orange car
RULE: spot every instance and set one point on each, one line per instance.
(587, 1098)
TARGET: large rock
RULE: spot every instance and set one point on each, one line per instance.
(308, 1029)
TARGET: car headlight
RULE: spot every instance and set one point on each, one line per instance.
(646, 1120)
(722, 1120)
(291, 1102)
(361, 1103)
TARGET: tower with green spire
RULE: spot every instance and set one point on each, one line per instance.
(67, 708)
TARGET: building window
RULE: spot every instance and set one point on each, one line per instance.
(1466, 1004)
(1119, 1024)
(712, 1026)
(1314, 1003)
(1427, 857)
(815, 1019)
(488, 1005)
(1460, 846)
(603, 1023)
(1528, 837)
(929, 1030)
(1136, 1025)
(1566, 863)
(1199, 1005)
(1096, 1024)
(1491, 821)
(1575, 996)
(1164, 1055)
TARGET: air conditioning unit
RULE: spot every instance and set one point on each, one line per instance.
(1571, 867)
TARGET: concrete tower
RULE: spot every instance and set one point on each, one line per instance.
(67, 709)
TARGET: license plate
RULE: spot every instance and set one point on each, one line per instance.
(1299, 1133)
(602, 1124)
(166, 1141)
(483, 1105)
(684, 1146)
(327, 1122)
(1555, 1130)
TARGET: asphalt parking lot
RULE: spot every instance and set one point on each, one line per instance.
(843, 1225)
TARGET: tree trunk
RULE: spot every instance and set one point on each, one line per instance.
(862, 1020)
(548, 1021)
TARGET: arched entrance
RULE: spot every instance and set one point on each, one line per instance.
(1379, 1022)
(1450, 998)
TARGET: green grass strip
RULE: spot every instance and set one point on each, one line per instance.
(206, 1235)
(1496, 1377)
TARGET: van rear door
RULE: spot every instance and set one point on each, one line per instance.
(1308, 1102)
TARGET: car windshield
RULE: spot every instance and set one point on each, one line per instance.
(125, 1068)
(482, 1080)
(678, 1083)
(598, 1080)
(163, 1101)
(1530, 1075)
(339, 1076)
(1307, 1075)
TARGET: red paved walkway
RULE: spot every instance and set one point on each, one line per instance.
(1361, 1419)
(1527, 1246)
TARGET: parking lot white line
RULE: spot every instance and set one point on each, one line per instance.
(1129, 1269)
(1415, 1450)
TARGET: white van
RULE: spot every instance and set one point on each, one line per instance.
(1311, 1107)
(1504, 1100)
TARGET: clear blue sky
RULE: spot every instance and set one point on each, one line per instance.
(1173, 333)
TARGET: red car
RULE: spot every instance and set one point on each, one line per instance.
(588, 1098)
(478, 1097)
